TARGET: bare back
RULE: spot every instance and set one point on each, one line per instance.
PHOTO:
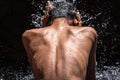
(61, 55)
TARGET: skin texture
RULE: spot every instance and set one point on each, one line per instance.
(61, 51)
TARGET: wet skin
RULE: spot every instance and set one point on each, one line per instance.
(61, 52)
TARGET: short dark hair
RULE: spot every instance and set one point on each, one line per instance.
(62, 9)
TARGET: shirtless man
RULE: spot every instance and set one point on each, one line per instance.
(61, 51)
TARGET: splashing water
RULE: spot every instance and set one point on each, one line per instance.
(100, 20)
(59, 0)
(9, 73)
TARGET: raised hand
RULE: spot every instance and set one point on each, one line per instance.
(46, 16)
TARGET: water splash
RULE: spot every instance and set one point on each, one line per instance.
(9, 73)
(59, 0)
(108, 73)
(40, 8)
(100, 20)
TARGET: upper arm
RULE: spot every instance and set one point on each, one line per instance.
(90, 75)
(26, 41)
(30, 54)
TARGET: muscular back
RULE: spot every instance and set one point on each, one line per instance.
(61, 54)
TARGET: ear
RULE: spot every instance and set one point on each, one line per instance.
(76, 22)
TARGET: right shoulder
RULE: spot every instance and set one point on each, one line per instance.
(87, 32)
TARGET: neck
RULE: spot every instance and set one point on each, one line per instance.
(60, 23)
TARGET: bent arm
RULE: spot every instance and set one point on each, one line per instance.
(30, 56)
(90, 75)
(91, 69)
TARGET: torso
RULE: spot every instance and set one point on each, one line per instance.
(60, 55)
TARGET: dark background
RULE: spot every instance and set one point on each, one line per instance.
(15, 19)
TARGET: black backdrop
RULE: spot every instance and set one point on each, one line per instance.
(15, 19)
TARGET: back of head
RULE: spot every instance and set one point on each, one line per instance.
(62, 9)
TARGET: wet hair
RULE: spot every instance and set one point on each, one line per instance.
(62, 9)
